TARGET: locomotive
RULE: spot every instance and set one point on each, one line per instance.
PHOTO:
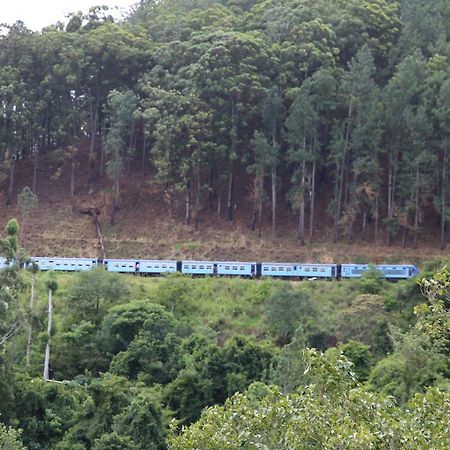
(288, 270)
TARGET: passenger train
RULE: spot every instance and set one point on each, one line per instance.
(290, 270)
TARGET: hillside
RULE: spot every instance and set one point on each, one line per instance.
(144, 228)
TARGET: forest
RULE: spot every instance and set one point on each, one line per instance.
(104, 361)
(338, 108)
(337, 111)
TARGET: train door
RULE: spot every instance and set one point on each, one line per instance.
(215, 269)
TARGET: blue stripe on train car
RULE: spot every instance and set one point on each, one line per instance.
(197, 267)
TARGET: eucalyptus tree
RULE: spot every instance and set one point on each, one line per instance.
(182, 143)
(355, 146)
(442, 113)
(230, 74)
(121, 108)
(301, 131)
(261, 162)
(272, 118)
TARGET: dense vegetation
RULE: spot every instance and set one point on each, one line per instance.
(97, 360)
(338, 105)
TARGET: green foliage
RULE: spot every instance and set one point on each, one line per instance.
(10, 438)
(287, 307)
(371, 281)
(92, 292)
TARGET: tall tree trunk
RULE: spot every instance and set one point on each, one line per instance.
(115, 206)
(197, 198)
(30, 319)
(301, 225)
(260, 205)
(416, 214)
(187, 216)
(49, 332)
(364, 225)
(144, 153)
(312, 200)
(72, 177)
(92, 135)
(130, 147)
(102, 153)
(337, 215)
(11, 181)
(444, 195)
(210, 190)
(274, 198)
(36, 153)
(391, 193)
(229, 214)
(377, 211)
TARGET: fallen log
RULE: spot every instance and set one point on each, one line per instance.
(95, 214)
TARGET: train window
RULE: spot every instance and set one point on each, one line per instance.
(281, 269)
(242, 267)
(209, 267)
(314, 269)
(157, 266)
(116, 265)
(184, 267)
(307, 269)
(194, 266)
(201, 267)
(227, 267)
(164, 266)
(235, 268)
(322, 269)
(288, 269)
(265, 269)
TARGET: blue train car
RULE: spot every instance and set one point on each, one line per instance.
(121, 265)
(198, 267)
(65, 264)
(397, 272)
(278, 270)
(152, 266)
(317, 270)
(242, 269)
(389, 271)
(353, 270)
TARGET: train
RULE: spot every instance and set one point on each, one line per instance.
(288, 270)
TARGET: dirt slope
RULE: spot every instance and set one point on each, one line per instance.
(145, 230)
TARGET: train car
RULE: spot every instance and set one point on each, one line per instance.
(121, 265)
(155, 267)
(3, 263)
(353, 270)
(198, 267)
(240, 269)
(283, 270)
(317, 270)
(389, 271)
(397, 271)
(65, 264)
